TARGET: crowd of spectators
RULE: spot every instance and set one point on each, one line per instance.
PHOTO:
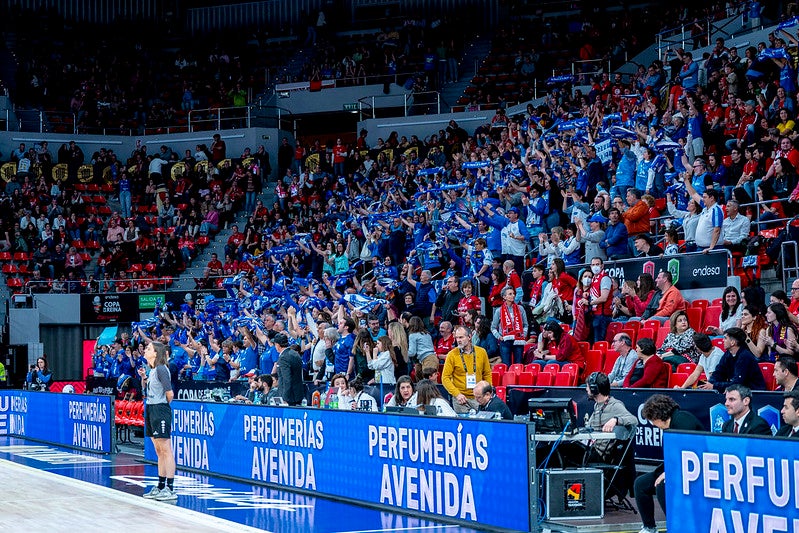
(116, 78)
(58, 225)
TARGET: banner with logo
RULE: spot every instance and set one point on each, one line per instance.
(707, 406)
(187, 390)
(77, 421)
(465, 469)
(692, 271)
(130, 306)
(727, 483)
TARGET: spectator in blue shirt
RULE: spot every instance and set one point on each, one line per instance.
(615, 241)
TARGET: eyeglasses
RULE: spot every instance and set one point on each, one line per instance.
(795, 288)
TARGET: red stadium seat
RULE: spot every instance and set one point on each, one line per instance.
(552, 368)
(509, 378)
(718, 343)
(664, 330)
(632, 333)
(602, 346)
(677, 379)
(526, 378)
(712, 314)
(572, 369)
(646, 333)
(716, 302)
(610, 360)
(652, 324)
(516, 368)
(686, 368)
(500, 367)
(613, 329)
(502, 393)
(695, 316)
(544, 379)
(768, 374)
(563, 379)
(6, 256)
(593, 361)
(700, 303)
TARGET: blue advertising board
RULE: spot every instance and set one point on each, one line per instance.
(468, 470)
(728, 483)
(78, 421)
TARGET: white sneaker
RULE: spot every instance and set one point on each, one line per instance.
(153, 494)
(648, 530)
(166, 494)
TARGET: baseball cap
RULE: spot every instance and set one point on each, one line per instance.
(513, 210)
(252, 373)
(597, 217)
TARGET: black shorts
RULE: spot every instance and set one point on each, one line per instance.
(158, 420)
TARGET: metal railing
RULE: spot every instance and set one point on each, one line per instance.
(65, 287)
(678, 36)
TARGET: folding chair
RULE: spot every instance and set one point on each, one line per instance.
(617, 463)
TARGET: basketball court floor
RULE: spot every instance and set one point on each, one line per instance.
(46, 488)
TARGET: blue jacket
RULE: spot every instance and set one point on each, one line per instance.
(615, 241)
(625, 171)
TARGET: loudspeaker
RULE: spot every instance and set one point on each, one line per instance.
(573, 493)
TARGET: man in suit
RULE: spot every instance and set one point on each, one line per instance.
(786, 373)
(790, 415)
(743, 420)
(485, 394)
(289, 370)
(664, 413)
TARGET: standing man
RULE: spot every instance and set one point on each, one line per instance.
(464, 367)
(514, 239)
(790, 415)
(447, 301)
(485, 395)
(289, 371)
(711, 219)
(509, 326)
(743, 421)
(158, 418)
(285, 156)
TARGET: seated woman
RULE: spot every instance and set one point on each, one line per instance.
(757, 331)
(731, 308)
(554, 346)
(679, 347)
(404, 395)
(781, 338)
(355, 399)
(635, 297)
(649, 371)
(427, 393)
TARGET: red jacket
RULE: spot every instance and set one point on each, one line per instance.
(656, 375)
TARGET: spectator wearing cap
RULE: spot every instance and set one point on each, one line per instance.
(593, 237)
(289, 370)
(253, 389)
(644, 246)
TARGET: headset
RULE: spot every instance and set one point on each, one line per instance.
(598, 383)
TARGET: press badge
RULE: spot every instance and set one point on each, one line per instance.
(471, 381)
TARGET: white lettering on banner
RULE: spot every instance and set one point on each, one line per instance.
(750, 479)
(88, 411)
(195, 422)
(111, 307)
(16, 424)
(442, 448)
(191, 452)
(87, 436)
(431, 491)
(283, 467)
(770, 523)
(3, 424)
(706, 271)
(13, 403)
(296, 432)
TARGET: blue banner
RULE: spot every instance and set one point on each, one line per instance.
(82, 422)
(727, 483)
(469, 470)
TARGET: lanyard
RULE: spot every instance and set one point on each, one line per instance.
(474, 363)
